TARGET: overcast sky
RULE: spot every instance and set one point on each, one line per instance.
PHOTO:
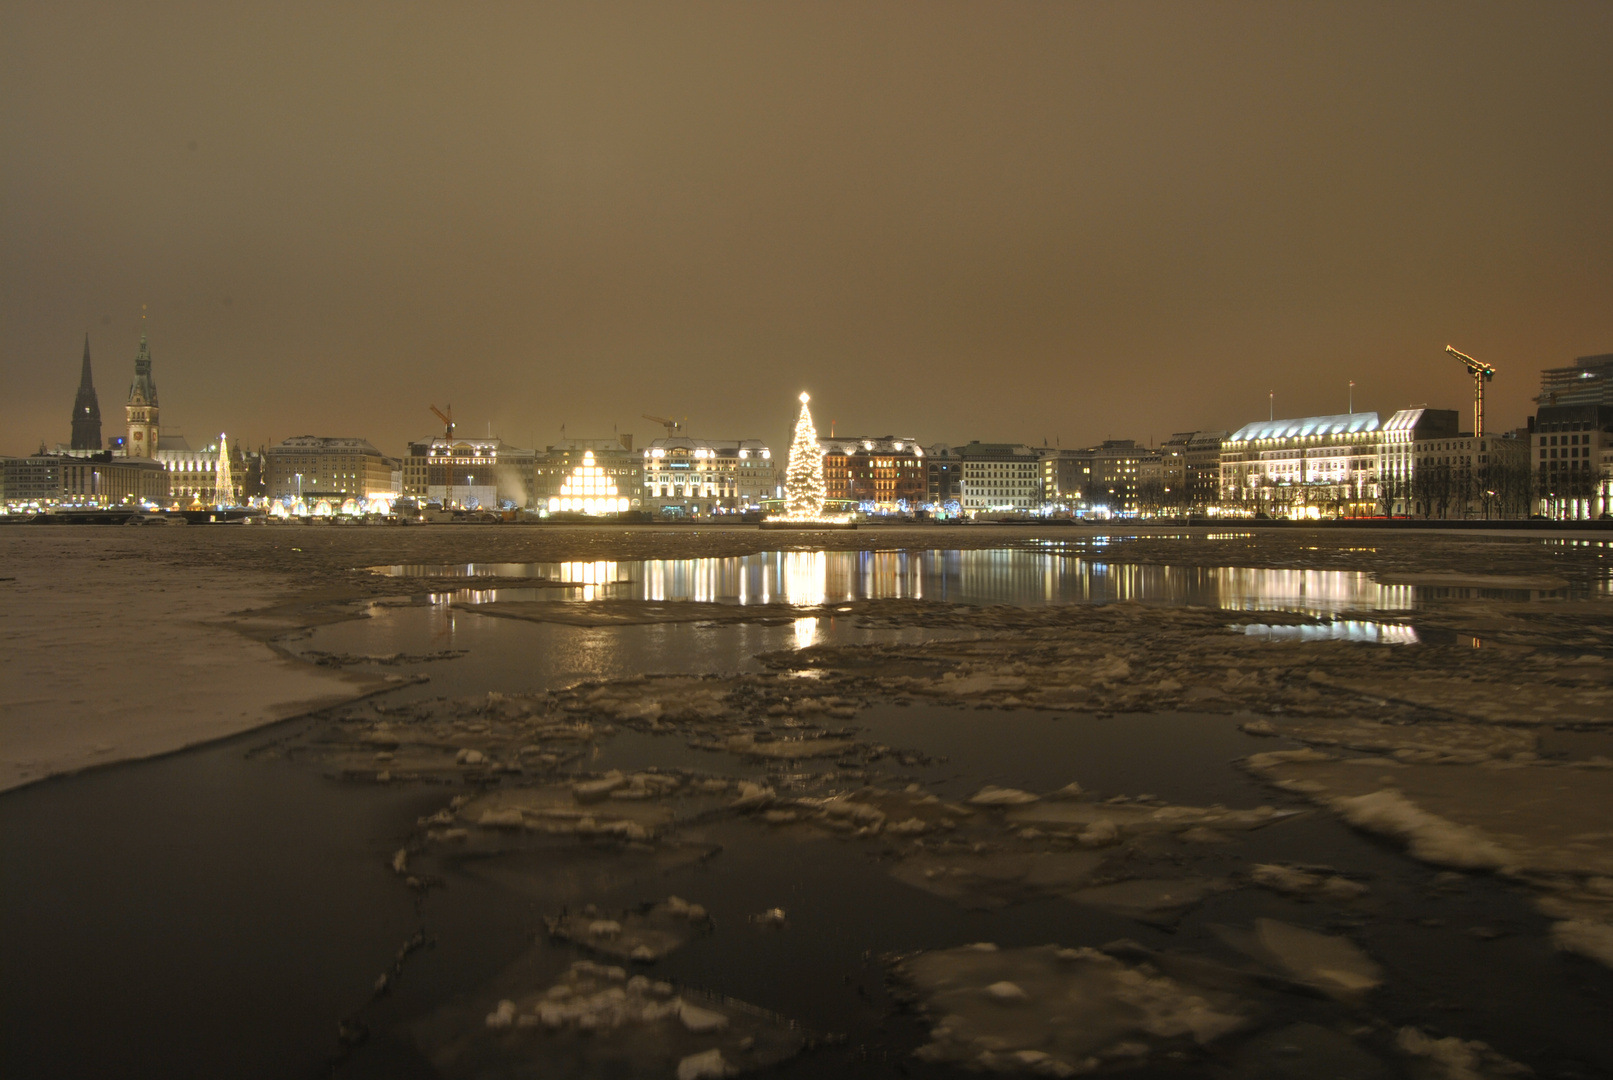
(1004, 221)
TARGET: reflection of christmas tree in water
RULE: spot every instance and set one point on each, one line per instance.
(803, 478)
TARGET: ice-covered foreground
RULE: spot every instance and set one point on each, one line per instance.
(1273, 936)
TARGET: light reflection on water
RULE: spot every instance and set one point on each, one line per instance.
(1337, 630)
(970, 577)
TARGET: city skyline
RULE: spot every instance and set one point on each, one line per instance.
(1155, 438)
(1058, 222)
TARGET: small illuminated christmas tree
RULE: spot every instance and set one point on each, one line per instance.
(803, 478)
(223, 479)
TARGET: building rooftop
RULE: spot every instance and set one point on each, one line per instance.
(1589, 381)
(1337, 424)
(321, 442)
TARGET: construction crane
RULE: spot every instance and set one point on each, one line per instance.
(1482, 373)
(672, 426)
(447, 419)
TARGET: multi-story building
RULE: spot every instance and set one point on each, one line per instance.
(685, 477)
(103, 479)
(1572, 449)
(1156, 495)
(943, 479)
(1572, 442)
(211, 476)
(1116, 476)
(880, 475)
(1066, 478)
(1411, 446)
(35, 480)
(458, 473)
(1304, 467)
(1417, 463)
(1190, 463)
(313, 467)
(1588, 381)
(999, 478)
(569, 473)
(1427, 468)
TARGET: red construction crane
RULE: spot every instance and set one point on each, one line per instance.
(447, 419)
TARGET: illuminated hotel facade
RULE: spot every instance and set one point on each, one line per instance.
(882, 475)
(1417, 463)
(689, 477)
(1304, 467)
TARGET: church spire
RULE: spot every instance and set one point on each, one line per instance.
(86, 408)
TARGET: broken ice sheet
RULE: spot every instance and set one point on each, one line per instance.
(1306, 881)
(993, 879)
(1305, 1051)
(643, 934)
(1433, 742)
(631, 807)
(1541, 823)
(1056, 1012)
(560, 871)
(1156, 901)
(597, 1020)
(1451, 1058)
(1334, 965)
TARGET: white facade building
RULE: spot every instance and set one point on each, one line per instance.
(686, 477)
(999, 478)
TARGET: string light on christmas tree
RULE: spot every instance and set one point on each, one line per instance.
(804, 489)
(588, 490)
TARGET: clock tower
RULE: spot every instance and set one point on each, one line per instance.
(142, 407)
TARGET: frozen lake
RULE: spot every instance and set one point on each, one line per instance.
(229, 910)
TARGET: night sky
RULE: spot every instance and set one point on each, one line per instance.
(1005, 221)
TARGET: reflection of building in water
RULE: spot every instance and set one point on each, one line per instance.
(805, 579)
(684, 476)
(596, 579)
(1008, 576)
(1247, 589)
(1338, 630)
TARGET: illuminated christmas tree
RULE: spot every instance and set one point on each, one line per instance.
(803, 478)
(223, 479)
